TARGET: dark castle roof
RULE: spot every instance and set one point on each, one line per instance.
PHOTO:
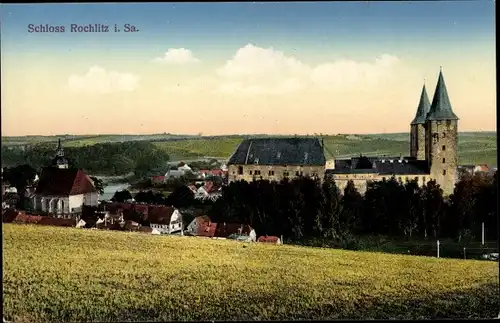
(441, 106)
(279, 151)
(423, 108)
(380, 165)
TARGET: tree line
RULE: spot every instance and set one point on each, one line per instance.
(304, 208)
(141, 158)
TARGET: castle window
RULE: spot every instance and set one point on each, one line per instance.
(297, 173)
(285, 174)
(416, 179)
(444, 171)
(448, 123)
(423, 179)
(250, 172)
(383, 179)
(257, 172)
(444, 160)
(444, 134)
(443, 148)
(240, 170)
(271, 173)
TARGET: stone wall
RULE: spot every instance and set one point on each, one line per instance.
(272, 173)
(442, 153)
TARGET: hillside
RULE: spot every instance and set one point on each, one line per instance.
(60, 274)
(474, 147)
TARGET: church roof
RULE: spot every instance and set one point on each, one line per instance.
(423, 108)
(64, 181)
(279, 151)
(441, 106)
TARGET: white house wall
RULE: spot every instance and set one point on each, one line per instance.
(76, 201)
(91, 199)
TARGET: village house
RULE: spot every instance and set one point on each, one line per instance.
(157, 179)
(202, 226)
(209, 191)
(161, 219)
(269, 239)
(277, 159)
(166, 220)
(63, 191)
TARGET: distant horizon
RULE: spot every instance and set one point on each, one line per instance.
(227, 135)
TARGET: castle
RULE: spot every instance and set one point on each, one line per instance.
(433, 153)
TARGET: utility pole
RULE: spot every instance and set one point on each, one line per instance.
(437, 243)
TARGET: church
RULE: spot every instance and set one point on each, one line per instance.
(62, 190)
(433, 153)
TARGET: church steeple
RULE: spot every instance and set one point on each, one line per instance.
(441, 106)
(423, 108)
(59, 150)
(60, 161)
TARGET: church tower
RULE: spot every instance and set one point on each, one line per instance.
(60, 161)
(441, 138)
(417, 127)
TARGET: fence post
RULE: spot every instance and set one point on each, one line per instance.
(482, 233)
(465, 257)
(437, 243)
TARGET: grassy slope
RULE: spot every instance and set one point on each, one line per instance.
(474, 147)
(61, 274)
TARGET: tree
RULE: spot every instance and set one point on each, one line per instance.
(121, 196)
(98, 183)
(410, 216)
(433, 205)
(182, 197)
(331, 210)
(20, 177)
(351, 212)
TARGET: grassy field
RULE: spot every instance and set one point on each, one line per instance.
(60, 274)
(473, 147)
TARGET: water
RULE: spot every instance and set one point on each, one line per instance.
(111, 188)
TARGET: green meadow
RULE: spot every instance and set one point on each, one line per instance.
(53, 274)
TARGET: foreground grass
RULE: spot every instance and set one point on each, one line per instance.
(59, 274)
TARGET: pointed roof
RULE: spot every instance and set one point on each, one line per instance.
(441, 106)
(60, 181)
(423, 108)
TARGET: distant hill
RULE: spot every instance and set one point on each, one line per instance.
(474, 147)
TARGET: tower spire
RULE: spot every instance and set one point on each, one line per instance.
(441, 106)
(59, 150)
(423, 107)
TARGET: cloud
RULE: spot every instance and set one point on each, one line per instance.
(256, 70)
(177, 56)
(98, 80)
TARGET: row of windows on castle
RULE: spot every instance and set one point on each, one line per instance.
(271, 173)
(338, 176)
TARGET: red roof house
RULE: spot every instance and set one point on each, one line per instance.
(59, 222)
(269, 239)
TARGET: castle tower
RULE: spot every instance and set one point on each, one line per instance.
(417, 128)
(441, 139)
(60, 161)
